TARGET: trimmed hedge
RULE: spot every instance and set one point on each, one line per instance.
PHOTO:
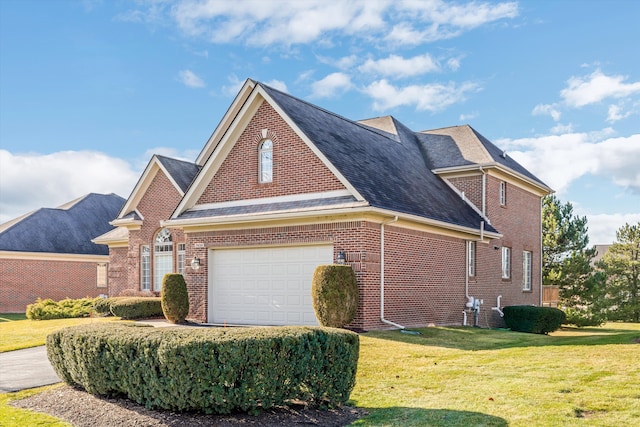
(175, 298)
(212, 370)
(47, 309)
(532, 319)
(334, 294)
(136, 308)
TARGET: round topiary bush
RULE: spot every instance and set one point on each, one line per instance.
(334, 292)
(174, 297)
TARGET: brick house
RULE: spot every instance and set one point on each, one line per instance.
(48, 253)
(435, 223)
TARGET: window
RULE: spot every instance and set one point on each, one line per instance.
(506, 262)
(471, 258)
(526, 270)
(162, 257)
(101, 275)
(145, 268)
(265, 155)
(181, 254)
(503, 193)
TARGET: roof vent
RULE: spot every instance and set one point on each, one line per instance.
(504, 154)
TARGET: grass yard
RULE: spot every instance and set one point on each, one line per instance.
(25, 333)
(463, 376)
(467, 376)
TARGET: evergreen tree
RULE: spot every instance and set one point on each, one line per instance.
(566, 262)
(621, 264)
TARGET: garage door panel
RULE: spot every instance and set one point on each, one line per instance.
(264, 286)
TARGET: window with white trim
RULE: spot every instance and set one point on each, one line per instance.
(180, 257)
(506, 262)
(162, 257)
(145, 268)
(526, 270)
(265, 159)
(101, 275)
(471, 258)
(503, 193)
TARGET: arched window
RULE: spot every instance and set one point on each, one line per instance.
(265, 158)
(162, 257)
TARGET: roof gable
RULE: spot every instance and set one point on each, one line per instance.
(67, 229)
(390, 173)
(179, 172)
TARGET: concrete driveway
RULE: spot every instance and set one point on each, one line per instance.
(28, 368)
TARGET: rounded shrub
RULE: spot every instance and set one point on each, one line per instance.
(212, 370)
(175, 299)
(532, 319)
(136, 308)
(334, 293)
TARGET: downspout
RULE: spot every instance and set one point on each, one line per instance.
(471, 303)
(484, 192)
(388, 322)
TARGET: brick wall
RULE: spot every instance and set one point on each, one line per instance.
(157, 204)
(23, 281)
(472, 188)
(118, 274)
(296, 169)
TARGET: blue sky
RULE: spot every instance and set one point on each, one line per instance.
(89, 90)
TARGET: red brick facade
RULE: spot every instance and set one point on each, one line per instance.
(425, 272)
(25, 280)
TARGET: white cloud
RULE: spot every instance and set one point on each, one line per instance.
(560, 128)
(597, 86)
(550, 109)
(234, 86)
(190, 79)
(453, 64)
(615, 113)
(603, 227)
(31, 181)
(330, 85)
(561, 159)
(467, 117)
(429, 97)
(263, 23)
(277, 84)
(443, 20)
(397, 66)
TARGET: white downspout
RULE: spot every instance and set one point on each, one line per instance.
(484, 192)
(388, 322)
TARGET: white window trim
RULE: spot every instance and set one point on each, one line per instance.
(265, 168)
(471, 258)
(162, 252)
(102, 275)
(506, 262)
(503, 193)
(527, 262)
(145, 268)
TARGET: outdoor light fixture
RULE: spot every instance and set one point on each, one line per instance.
(341, 258)
(195, 263)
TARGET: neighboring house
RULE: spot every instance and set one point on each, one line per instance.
(600, 251)
(48, 253)
(428, 220)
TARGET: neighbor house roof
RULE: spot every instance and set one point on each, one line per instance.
(67, 229)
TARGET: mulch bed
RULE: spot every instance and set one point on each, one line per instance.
(83, 409)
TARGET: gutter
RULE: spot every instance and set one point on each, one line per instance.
(388, 322)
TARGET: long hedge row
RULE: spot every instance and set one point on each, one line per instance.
(212, 370)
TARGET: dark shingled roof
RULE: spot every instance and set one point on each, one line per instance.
(182, 172)
(389, 172)
(64, 231)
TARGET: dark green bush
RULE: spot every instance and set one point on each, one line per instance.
(175, 299)
(334, 293)
(136, 308)
(47, 309)
(537, 320)
(212, 370)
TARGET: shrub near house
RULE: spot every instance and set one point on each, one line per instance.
(213, 370)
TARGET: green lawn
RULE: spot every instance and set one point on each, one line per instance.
(467, 376)
(480, 377)
(18, 334)
(10, 317)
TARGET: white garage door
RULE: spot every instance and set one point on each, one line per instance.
(264, 286)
